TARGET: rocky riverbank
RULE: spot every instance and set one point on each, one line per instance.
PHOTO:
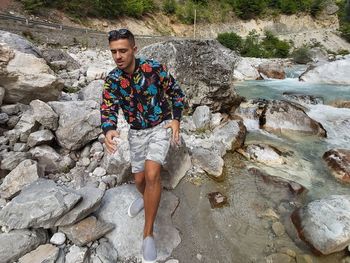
(64, 199)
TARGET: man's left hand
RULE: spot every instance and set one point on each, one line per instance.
(175, 126)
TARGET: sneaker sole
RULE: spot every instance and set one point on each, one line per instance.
(147, 261)
(129, 213)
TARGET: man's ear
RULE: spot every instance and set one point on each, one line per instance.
(135, 49)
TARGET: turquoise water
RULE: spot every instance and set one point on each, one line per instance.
(306, 166)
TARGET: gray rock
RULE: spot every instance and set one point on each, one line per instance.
(11, 109)
(3, 140)
(3, 118)
(40, 137)
(48, 159)
(210, 80)
(53, 56)
(99, 172)
(27, 209)
(44, 114)
(303, 98)
(209, 161)
(43, 254)
(93, 91)
(201, 117)
(17, 243)
(77, 255)
(12, 122)
(177, 163)
(96, 147)
(263, 153)
(2, 94)
(12, 159)
(106, 252)
(20, 147)
(24, 174)
(92, 198)
(86, 230)
(25, 126)
(58, 239)
(231, 134)
(78, 127)
(114, 210)
(26, 74)
(325, 224)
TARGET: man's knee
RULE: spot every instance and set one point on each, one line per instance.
(139, 178)
(152, 177)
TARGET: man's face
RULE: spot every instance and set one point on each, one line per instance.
(123, 53)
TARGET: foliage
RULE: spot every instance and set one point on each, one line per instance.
(231, 40)
(254, 46)
(247, 9)
(169, 7)
(344, 19)
(345, 31)
(302, 55)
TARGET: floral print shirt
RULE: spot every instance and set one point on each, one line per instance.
(143, 96)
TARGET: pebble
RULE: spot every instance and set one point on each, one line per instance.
(278, 229)
(289, 252)
(58, 239)
(99, 171)
(304, 259)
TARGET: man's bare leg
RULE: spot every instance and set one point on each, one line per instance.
(151, 196)
(140, 182)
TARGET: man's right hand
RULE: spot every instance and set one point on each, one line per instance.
(110, 144)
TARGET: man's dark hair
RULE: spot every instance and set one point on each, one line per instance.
(121, 34)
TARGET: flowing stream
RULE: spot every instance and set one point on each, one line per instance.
(238, 232)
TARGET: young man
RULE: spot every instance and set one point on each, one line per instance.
(140, 88)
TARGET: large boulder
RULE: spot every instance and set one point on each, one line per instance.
(325, 224)
(93, 91)
(79, 123)
(23, 73)
(335, 72)
(280, 117)
(338, 161)
(127, 235)
(272, 70)
(38, 205)
(204, 69)
(17, 243)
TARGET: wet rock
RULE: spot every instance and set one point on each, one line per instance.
(58, 239)
(12, 159)
(263, 153)
(177, 163)
(44, 253)
(24, 174)
(334, 72)
(48, 159)
(79, 126)
(26, 74)
(217, 199)
(44, 114)
(77, 255)
(114, 210)
(272, 70)
(91, 199)
(93, 91)
(325, 224)
(27, 210)
(17, 243)
(278, 182)
(201, 117)
(231, 134)
(210, 162)
(278, 229)
(341, 104)
(303, 259)
(279, 258)
(210, 80)
(87, 230)
(303, 98)
(40, 137)
(338, 161)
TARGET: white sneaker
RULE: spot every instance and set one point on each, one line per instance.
(149, 251)
(135, 207)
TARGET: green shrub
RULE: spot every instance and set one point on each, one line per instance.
(345, 31)
(252, 46)
(169, 7)
(231, 40)
(301, 55)
(275, 48)
(343, 52)
(316, 7)
(247, 9)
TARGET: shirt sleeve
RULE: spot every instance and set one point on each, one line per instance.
(173, 90)
(109, 108)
